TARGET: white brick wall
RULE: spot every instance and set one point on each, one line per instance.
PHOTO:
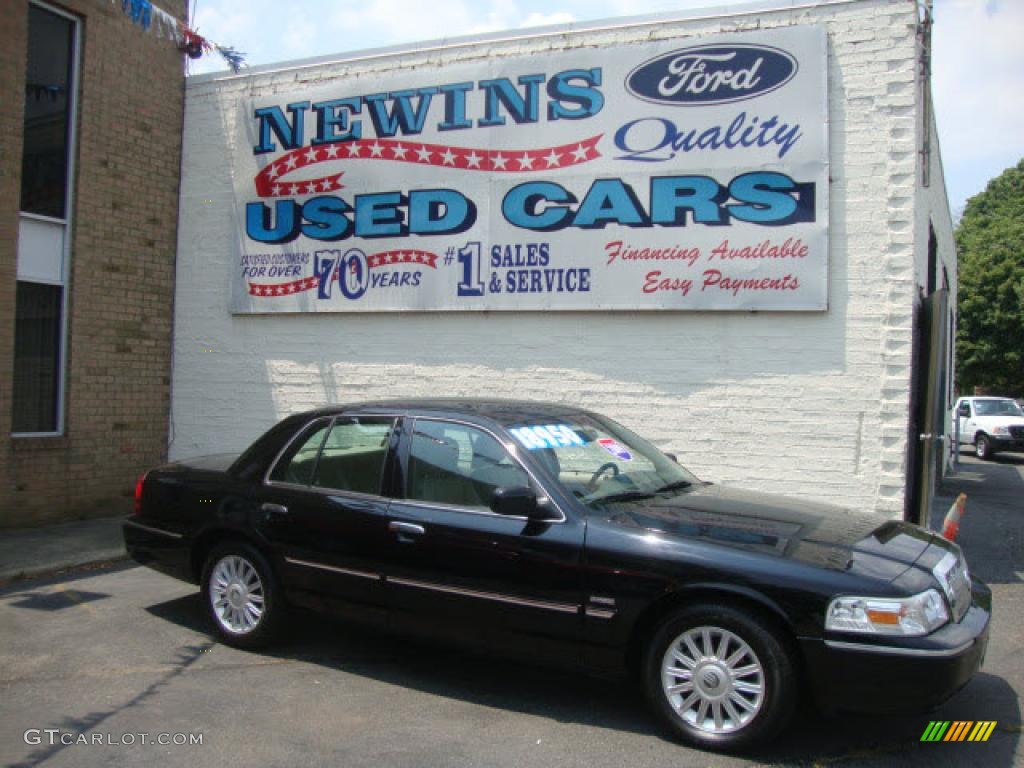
(807, 404)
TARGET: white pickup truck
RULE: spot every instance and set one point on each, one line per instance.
(990, 424)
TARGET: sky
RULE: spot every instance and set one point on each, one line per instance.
(978, 58)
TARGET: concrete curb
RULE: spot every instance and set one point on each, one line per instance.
(31, 552)
(8, 578)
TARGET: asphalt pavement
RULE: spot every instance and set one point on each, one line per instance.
(119, 653)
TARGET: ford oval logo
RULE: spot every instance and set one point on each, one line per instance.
(711, 74)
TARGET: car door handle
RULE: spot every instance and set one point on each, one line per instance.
(274, 509)
(396, 526)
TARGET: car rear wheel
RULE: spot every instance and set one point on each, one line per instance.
(241, 596)
(719, 678)
(983, 447)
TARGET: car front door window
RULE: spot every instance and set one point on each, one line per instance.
(459, 465)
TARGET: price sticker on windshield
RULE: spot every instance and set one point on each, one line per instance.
(547, 436)
(615, 449)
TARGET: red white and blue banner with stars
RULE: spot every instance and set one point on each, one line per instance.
(684, 174)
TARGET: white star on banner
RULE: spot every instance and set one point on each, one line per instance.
(424, 154)
(448, 157)
(354, 149)
(553, 159)
(311, 155)
(399, 151)
(332, 151)
(580, 153)
(473, 160)
(376, 150)
(526, 161)
(499, 161)
(291, 162)
(274, 171)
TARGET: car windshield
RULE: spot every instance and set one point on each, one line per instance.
(997, 408)
(597, 460)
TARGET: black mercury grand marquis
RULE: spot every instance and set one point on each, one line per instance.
(554, 533)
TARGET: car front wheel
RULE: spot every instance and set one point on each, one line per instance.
(719, 678)
(983, 447)
(241, 596)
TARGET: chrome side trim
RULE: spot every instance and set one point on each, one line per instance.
(334, 569)
(890, 650)
(161, 531)
(500, 598)
(440, 506)
(597, 613)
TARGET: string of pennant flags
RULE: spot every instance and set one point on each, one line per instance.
(154, 19)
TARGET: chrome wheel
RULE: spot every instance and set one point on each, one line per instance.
(713, 680)
(236, 594)
(982, 448)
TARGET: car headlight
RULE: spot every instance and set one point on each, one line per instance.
(905, 616)
(1001, 431)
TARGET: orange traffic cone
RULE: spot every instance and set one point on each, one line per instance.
(951, 525)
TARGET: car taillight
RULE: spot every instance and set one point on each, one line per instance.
(138, 493)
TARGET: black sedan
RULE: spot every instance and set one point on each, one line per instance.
(556, 534)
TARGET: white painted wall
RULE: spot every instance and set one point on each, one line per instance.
(810, 404)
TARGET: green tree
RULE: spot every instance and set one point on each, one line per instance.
(990, 244)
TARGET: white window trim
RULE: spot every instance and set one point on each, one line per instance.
(68, 220)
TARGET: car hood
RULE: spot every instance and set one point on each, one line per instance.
(813, 533)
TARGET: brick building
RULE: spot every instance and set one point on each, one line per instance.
(825, 399)
(90, 143)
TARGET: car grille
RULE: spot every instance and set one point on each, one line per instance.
(1017, 433)
(952, 573)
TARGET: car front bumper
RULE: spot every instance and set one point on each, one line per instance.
(914, 675)
(1004, 443)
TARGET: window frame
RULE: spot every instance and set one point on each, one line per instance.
(388, 450)
(67, 222)
(307, 428)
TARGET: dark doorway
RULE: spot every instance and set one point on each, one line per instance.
(928, 396)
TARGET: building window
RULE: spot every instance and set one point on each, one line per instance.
(44, 226)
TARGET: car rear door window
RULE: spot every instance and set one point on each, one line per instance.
(352, 456)
(297, 463)
(458, 464)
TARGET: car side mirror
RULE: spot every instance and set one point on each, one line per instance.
(517, 501)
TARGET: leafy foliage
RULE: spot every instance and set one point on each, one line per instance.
(990, 242)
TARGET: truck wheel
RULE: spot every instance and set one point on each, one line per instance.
(983, 447)
(719, 678)
(242, 596)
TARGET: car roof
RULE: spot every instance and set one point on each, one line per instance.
(500, 410)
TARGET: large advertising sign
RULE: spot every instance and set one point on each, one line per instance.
(685, 174)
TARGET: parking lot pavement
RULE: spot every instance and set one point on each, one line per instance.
(121, 652)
